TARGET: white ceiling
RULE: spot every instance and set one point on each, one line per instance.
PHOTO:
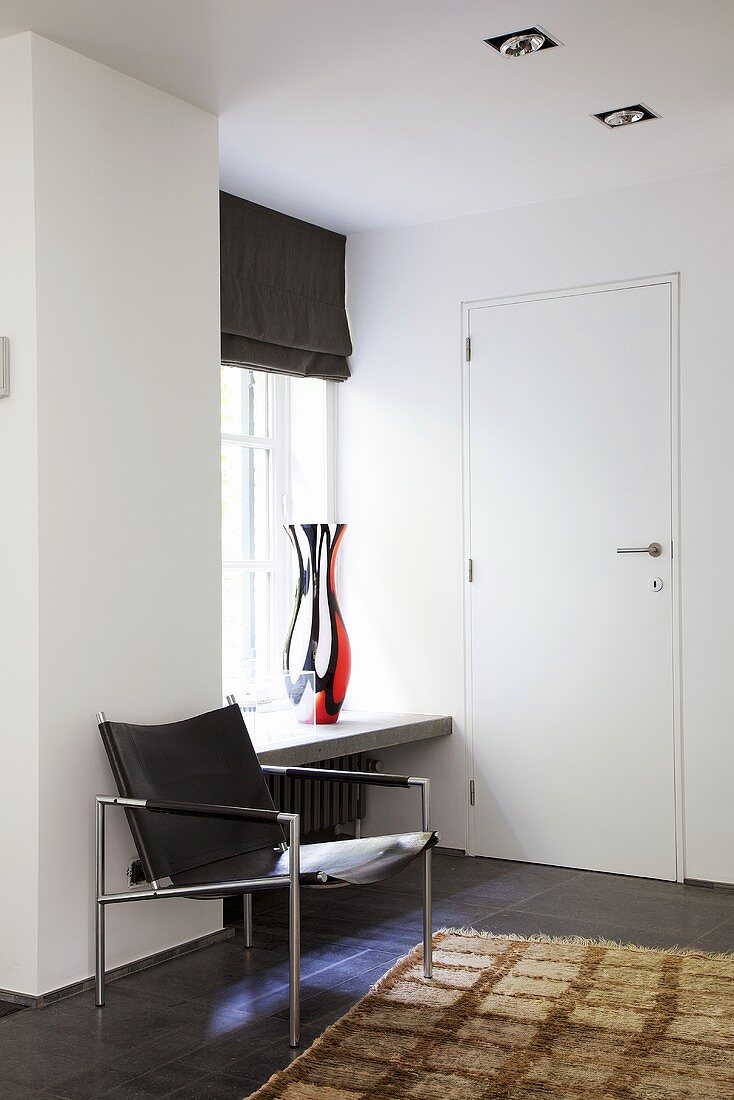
(365, 113)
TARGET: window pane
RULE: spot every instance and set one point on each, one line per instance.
(245, 402)
(245, 503)
(246, 627)
(308, 450)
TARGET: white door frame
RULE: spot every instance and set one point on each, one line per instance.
(672, 280)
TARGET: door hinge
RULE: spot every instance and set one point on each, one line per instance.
(471, 792)
(468, 349)
(470, 570)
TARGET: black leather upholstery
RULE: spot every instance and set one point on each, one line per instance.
(209, 760)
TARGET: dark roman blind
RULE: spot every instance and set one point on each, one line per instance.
(282, 290)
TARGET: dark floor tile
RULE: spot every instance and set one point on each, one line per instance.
(256, 1052)
(358, 954)
(252, 1054)
(513, 883)
(155, 1083)
(683, 911)
(374, 915)
(330, 1005)
(7, 1009)
(251, 1000)
(520, 923)
(154, 1054)
(252, 983)
(62, 1075)
(324, 1000)
(343, 935)
(397, 910)
(720, 940)
(15, 1090)
(368, 962)
(390, 934)
(218, 1086)
(258, 1065)
(203, 972)
(239, 1003)
(253, 1061)
(76, 1028)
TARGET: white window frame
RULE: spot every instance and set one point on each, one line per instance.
(280, 564)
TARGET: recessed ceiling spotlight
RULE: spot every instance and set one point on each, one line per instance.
(521, 43)
(625, 116)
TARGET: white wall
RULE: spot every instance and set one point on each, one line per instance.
(400, 459)
(18, 528)
(127, 275)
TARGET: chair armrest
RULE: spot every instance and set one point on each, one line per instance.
(336, 776)
(372, 778)
(195, 809)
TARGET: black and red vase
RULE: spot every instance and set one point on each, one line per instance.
(317, 657)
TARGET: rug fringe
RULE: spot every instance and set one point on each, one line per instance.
(583, 941)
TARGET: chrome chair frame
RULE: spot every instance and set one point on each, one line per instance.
(377, 779)
(291, 880)
(245, 886)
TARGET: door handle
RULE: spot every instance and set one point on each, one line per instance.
(654, 549)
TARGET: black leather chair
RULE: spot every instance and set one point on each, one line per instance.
(204, 825)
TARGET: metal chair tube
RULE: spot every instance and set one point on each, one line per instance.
(247, 908)
(294, 929)
(337, 775)
(206, 890)
(99, 915)
(425, 786)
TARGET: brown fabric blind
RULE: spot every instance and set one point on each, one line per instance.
(282, 293)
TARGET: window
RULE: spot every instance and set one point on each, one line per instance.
(277, 467)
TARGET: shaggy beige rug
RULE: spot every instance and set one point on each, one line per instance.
(530, 1019)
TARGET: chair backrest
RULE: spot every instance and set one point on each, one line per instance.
(209, 759)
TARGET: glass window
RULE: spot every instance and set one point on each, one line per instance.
(246, 402)
(246, 502)
(247, 620)
(276, 469)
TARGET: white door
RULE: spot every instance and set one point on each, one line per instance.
(571, 646)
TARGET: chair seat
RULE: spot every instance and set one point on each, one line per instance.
(368, 859)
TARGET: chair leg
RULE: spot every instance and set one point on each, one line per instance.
(247, 906)
(99, 955)
(427, 917)
(427, 899)
(294, 926)
(99, 916)
(294, 1002)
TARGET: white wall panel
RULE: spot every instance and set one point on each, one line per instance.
(400, 459)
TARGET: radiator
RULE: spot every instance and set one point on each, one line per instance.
(322, 805)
